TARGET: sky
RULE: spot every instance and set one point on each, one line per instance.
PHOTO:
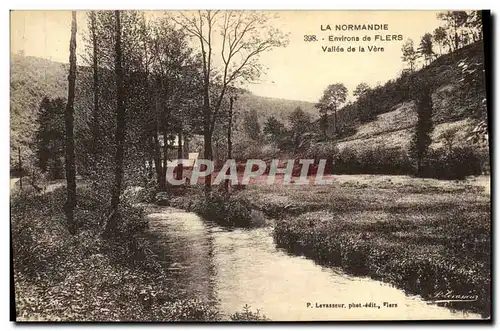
(301, 71)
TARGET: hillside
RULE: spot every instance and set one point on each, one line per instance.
(394, 121)
(31, 79)
(34, 78)
(279, 108)
(389, 124)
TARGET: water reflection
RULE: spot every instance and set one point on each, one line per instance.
(242, 266)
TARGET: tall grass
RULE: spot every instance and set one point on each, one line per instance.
(450, 253)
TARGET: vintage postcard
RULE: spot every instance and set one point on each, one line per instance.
(250, 165)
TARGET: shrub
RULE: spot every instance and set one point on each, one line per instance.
(458, 163)
(246, 314)
(380, 160)
(224, 210)
(189, 310)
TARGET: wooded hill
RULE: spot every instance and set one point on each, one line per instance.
(34, 78)
(385, 117)
(458, 85)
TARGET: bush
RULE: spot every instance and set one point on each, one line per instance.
(224, 210)
(250, 150)
(380, 160)
(439, 163)
(458, 163)
(246, 314)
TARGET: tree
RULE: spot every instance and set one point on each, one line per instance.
(112, 224)
(410, 55)
(472, 92)
(176, 82)
(425, 48)
(50, 136)
(70, 143)
(440, 37)
(251, 125)
(448, 138)
(475, 24)
(232, 99)
(300, 127)
(454, 21)
(96, 143)
(421, 139)
(244, 36)
(95, 85)
(361, 90)
(333, 97)
(274, 130)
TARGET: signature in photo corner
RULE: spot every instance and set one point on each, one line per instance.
(450, 296)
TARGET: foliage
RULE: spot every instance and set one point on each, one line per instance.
(224, 210)
(421, 139)
(425, 47)
(377, 160)
(244, 37)
(361, 89)
(251, 125)
(454, 20)
(453, 163)
(274, 130)
(300, 129)
(31, 80)
(440, 37)
(50, 137)
(473, 95)
(321, 150)
(246, 314)
(333, 97)
(410, 54)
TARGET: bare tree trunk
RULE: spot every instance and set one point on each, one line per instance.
(112, 224)
(70, 143)
(180, 153)
(324, 123)
(157, 159)
(166, 130)
(165, 158)
(185, 147)
(207, 153)
(335, 119)
(20, 168)
(95, 120)
(158, 163)
(229, 142)
(207, 135)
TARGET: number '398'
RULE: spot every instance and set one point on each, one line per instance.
(309, 37)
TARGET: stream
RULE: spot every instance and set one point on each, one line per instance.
(243, 266)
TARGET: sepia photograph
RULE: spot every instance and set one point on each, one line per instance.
(250, 165)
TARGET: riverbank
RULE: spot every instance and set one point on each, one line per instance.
(59, 277)
(227, 210)
(426, 236)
